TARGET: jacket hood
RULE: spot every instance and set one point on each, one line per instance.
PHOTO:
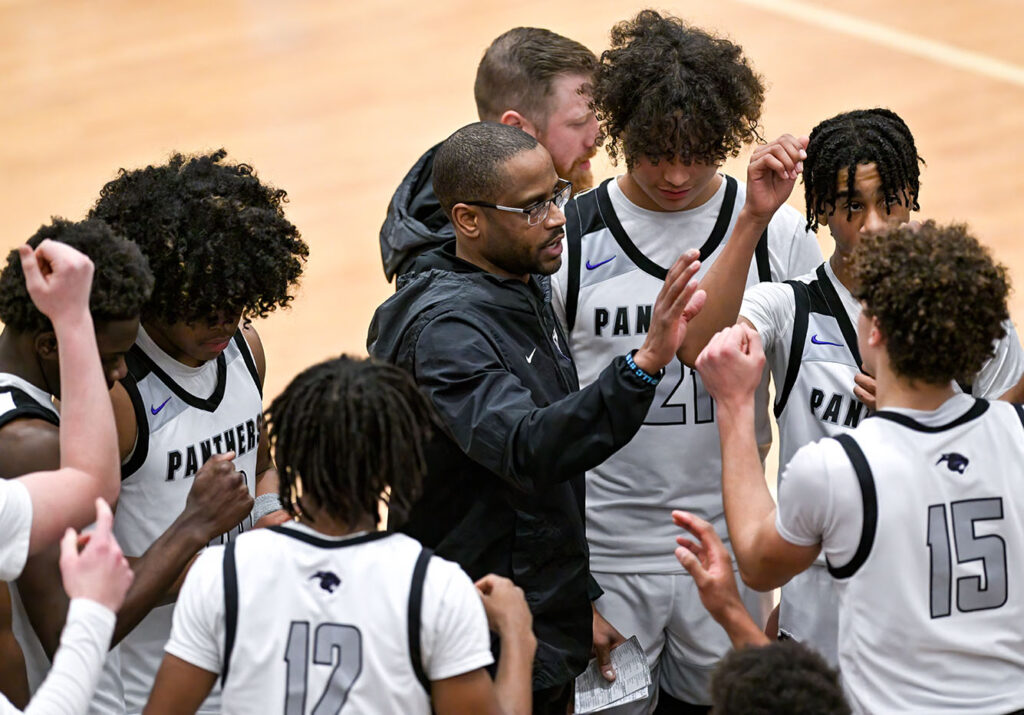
(415, 220)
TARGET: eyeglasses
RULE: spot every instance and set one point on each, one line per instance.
(538, 211)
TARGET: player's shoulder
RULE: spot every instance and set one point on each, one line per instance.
(28, 444)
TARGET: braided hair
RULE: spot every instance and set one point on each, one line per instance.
(863, 136)
(350, 429)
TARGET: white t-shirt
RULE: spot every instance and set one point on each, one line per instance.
(304, 598)
(928, 616)
(15, 528)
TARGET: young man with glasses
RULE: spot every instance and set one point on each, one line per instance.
(504, 492)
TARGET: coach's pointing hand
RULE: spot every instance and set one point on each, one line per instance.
(219, 499)
(677, 303)
(732, 364)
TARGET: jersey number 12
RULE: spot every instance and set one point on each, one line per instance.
(333, 644)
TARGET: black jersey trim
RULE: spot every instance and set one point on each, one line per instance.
(250, 361)
(141, 449)
(838, 311)
(764, 266)
(419, 576)
(574, 244)
(230, 608)
(209, 404)
(1019, 409)
(329, 543)
(611, 220)
(977, 410)
(25, 408)
(869, 498)
(801, 295)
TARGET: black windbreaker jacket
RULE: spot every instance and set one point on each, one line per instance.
(415, 222)
(505, 492)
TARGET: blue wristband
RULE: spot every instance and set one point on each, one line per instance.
(639, 372)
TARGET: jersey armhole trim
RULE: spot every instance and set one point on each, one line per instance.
(869, 498)
(419, 574)
(796, 348)
(574, 242)
(141, 448)
(25, 408)
(230, 608)
(1019, 409)
(764, 266)
(250, 362)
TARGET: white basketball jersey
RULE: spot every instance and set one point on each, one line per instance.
(931, 611)
(616, 272)
(299, 623)
(177, 432)
(20, 399)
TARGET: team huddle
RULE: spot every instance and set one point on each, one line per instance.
(565, 411)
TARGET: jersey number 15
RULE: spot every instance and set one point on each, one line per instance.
(973, 593)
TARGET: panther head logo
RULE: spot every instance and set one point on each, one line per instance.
(955, 462)
(328, 580)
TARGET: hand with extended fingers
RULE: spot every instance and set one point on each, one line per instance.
(678, 302)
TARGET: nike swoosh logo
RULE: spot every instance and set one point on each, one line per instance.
(154, 410)
(529, 358)
(592, 266)
(814, 339)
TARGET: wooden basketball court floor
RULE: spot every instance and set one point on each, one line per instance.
(333, 101)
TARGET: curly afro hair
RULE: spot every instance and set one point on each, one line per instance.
(215, 235)
(863, 136)
(666, 90)
(121, 282)
(938, 296)
(784, 677)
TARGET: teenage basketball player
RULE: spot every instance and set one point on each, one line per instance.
(36, 507)
(861, 176)
(326, 611)
(918, 510)
(675, 102)
(221, 249)
(31, 430)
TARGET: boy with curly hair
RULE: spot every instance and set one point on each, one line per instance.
(674, 102)
(221, 250)
(918, 510)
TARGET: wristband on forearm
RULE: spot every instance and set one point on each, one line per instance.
(639, 372)
(265, 504)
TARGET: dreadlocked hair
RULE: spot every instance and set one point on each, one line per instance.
(350, 429)
(864, 136)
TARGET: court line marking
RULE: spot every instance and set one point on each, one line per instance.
(894, 39)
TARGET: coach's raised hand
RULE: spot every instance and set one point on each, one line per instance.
(677, 303)
(219, 498)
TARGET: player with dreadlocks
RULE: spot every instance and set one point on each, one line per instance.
(221, 250)
(861, 177)
(674, 102)
(289, 597)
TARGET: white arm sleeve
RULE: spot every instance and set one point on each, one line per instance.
(820, 501)
(72, 680)
(15, 528)
(197, 631)
(1002, 370)
(454, 630)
